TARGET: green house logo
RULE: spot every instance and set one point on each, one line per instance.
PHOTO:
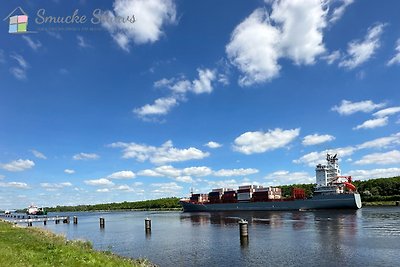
(18, 21)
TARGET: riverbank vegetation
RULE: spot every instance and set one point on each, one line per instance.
(36, 247)
(171, 203)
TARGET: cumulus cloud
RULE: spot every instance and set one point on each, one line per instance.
(213, 144)
(391, 157)
(396, 58)
(313, 158)
(284, 177)
(374, 173)
(387, 112)
(315, 139)
(382, 142)
(168, 188)
(235, 172)
(69, 171)
(254, 49)
(122, 175)
(179, 89)
(99, 182)
(347, 107)
(55, 186)
(17, 185)
(332, 57)
(373, 123)
(146, 21)
(38, 154)
(294, 30)
(86, 156)
(161, 106)
(166, 153)
(82, 42)
(359, 51)
(259, 142)
(18, 165)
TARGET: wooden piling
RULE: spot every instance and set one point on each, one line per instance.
(45, 221)
(243, 228)
(397, 203)
(75, 220)
(102, 223)
(147, 224)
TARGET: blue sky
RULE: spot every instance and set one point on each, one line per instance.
(194, 94)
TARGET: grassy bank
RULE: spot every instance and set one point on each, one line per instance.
(37, 247)
(379, 203)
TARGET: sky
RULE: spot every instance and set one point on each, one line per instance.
(129, 99)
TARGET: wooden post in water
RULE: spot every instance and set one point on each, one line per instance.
(147, 224)
(30, 222)
(75, 220)
(244, 232)
(102, 223)
(57, 220)
(45, 221)
(397, 203)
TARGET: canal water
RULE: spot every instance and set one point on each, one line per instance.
(366, 237)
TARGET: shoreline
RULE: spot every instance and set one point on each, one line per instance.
(36, 247)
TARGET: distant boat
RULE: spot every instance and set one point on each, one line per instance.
(7, 212)
(34, 210)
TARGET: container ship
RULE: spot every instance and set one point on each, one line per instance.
(332, 191)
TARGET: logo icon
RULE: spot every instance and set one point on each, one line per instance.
(18, 22)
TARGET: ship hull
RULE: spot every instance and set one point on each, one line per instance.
(339, 201)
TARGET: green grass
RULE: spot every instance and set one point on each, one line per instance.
(37, 247)
(380, 203)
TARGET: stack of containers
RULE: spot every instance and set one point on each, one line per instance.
(229, 196)
(245, 193)
(195, 198)
(274, 193)
(298, 193)
(215, 195)
(260, 194)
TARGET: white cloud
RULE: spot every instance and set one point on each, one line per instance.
(391, 157)
(184, 179)
(315, 139)
(161, 106)
(86, 156)
(203, 83)
(20, 71)
(213, 144)
(82, 42)
(313, 158)
(170, 188)
(382, 142)
(235, 172)
(387, 112)
(38, 154)
(99, 182)
(18, 165)
(32, 44)
(149, 173)
(103, 190)
(232, 183)
(302, 23)
(17, 185)
(151, 16)
(124, 187)
(359, 52)
(374, 173)
(294, 31)
(166, 153)
(284, 177)
(197, 171)
(396, 58)
(69, 171)
(259, 142)
(122, 175)
(55, 186)
(373, 123)
(339, 11)
(254, 49)
(347, 107)
(332, 57)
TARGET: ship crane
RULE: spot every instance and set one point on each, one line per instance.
(346, 182)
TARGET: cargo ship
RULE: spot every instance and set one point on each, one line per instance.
(331, 191)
